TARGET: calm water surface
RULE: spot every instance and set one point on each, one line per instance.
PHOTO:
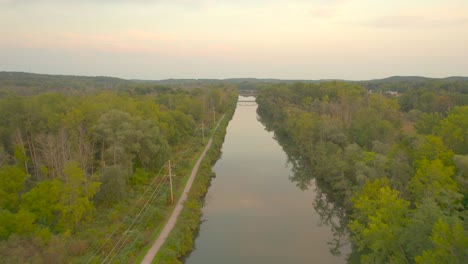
(253, 213)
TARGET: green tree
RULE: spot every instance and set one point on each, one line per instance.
(427, 122)
(43, 201)
(450, 244)
(75, 204)
(113, 132)
(12, 179)
(379, 220)
(454, 129)
(435, 180)
(124, 138)
(6, 223)
(418, 231)
(432, 148)
(367, 126)
(113, 188)
(22, 223)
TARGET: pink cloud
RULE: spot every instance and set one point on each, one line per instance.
(133, 40)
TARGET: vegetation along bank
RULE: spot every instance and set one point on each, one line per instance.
(83, 175)
(394, 164)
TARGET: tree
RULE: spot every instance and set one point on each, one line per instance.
(75, 204)
(379, 220)
(367, 127)
(434, 180)
(450, 244)
(149, 145)
(113, 186)
(192, 107)
(43, 201)
(427, 122)
(62, 205)
(12, 179)
(113, 132)
(432, 148)
(22, 222)
(454, 129)
(124, 138)
(416, 235)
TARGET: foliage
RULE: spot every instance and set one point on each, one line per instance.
(394, 183)
(380, 217)
(434, 180)
(454, 129)
(12, 180)
(450, 244)
(113, 188)
(180, 240)
(76, 153)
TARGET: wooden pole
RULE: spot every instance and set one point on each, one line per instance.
(170, 181)
(203, 131)
(214, 116)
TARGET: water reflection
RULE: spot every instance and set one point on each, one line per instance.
(327, 205)
(252, 212)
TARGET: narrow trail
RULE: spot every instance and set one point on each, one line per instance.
(178, 208)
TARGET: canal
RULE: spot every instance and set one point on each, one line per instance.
(253, 213)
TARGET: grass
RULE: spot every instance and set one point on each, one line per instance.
(177, 194)
(180, 240)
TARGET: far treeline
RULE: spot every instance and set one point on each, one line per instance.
(395, 162)
(79, 158)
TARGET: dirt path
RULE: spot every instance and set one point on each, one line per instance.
(178, 208)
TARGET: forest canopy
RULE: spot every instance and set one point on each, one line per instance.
(394, 163)
(76, 153)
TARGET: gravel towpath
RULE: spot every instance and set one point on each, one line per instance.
(178, 208)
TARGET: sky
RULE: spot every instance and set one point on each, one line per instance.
(284, 39)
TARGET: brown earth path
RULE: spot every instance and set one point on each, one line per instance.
(178, 208)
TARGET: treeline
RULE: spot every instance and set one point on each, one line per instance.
(399, 174)
(72, 166)
(22, 83)
(424, 94)
(180, 241)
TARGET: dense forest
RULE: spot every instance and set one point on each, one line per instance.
(390, 159)
(83, 175)
(82, 162)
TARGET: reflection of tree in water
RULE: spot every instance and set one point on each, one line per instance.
(333, 216)
(329, 206)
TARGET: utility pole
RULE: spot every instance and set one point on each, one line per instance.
(170, 181)
(214, 116)
(203, 131)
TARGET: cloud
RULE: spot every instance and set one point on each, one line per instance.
(323, 12)
(416, 21)
(328, 9)
(128, 41)
(426, 17)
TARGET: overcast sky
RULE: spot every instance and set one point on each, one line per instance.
(287, 39)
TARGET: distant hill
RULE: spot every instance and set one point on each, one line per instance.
(418, 79)
(456, 78)
(30, 83)
(402, 79)
(32, 77)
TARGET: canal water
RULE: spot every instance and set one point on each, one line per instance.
(253, 212)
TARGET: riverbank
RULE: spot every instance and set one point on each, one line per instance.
(180, 240)
(253, 213)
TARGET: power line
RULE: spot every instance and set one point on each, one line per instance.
(188, 147)
(156, 191)
(120, 245)
(127, 234)
(126, 216)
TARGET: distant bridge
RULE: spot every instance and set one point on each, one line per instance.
(247, 93)
(246, 103)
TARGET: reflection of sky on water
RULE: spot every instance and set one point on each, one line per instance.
(253, 213)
